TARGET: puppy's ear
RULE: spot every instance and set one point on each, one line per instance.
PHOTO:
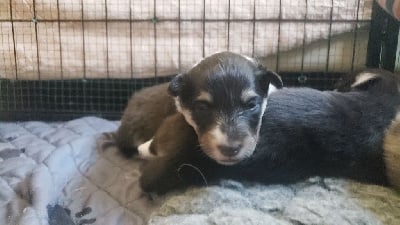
(175, 86)
(265, 77)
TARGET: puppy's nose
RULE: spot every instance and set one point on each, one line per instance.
(229, 151)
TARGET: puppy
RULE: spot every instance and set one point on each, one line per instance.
(148, 108)
(372, 80)
(142, 116)
(172, 144)
(223, 98)
(305, 132)
(391, 147)
(173, 136)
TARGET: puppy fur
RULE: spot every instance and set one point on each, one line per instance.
(307, 132)
(391, 146)
(223, 98)
(372, 80)
(142, 116)
(147, 108)
(173, 143)
(173, 135)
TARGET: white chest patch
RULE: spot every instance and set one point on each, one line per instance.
(271, 89)
(144, 150)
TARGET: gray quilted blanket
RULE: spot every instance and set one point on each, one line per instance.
(54, 173)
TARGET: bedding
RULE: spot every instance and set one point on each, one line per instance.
(66, 173)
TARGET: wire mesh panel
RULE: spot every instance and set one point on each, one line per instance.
(81, 57)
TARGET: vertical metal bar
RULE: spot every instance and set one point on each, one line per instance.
(15, 61)
(254, 28)
(204, 27)
(329, 38)
(61, 58)
(229, 22)
(14, 42)
(59, 38)
(83, 42)
(107, 52)
(304, 39)
(355, 36)
(131, 37)
(34, 20)
(279, 36)
(155, 39)
(84, 56)
(179, 37)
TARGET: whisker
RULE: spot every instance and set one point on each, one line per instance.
(195, 168)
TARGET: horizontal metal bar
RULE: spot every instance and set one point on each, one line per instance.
(55, 115)
(189, 20)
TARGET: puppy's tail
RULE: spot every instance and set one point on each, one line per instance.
(110, 140)
(391, 147)
(106, 140)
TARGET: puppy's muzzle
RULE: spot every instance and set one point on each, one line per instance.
(230, 150)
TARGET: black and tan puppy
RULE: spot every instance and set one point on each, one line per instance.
(372, 80)
(223, 98)
(304, 132)
(148, 108)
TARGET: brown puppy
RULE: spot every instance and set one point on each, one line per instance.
(142, 116)
(173, 142)
(173, 135)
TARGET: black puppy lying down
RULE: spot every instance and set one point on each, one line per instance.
(304, 132)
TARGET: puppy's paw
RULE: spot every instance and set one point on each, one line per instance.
(151, 185)
(160, 176)
(106, 141)
(160, 184)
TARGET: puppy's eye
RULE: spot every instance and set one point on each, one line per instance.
(202, 105)
(251, 104)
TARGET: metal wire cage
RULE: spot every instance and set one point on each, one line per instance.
(69, 58)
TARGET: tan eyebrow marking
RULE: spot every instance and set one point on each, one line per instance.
(205, 96)
(248, 94)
